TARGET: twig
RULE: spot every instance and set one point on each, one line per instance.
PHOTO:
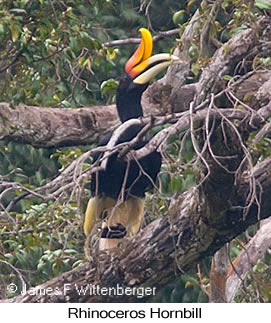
(262, 133)
(129, 41)
(16, 270)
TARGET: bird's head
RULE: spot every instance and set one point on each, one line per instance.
(140, 69)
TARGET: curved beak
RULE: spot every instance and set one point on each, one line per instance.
(154, 65)
(142, 67)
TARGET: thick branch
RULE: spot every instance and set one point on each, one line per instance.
(227, 57)
(185, 119)
(248, 257)
(47, 127)
(200, 221)
(57, 127)
(178, 240)
(218, 274)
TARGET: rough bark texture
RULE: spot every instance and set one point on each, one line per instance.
(168, 245)
(231, 194)
(248, 257)
(218, 274)
(54, 127)
(58, 127)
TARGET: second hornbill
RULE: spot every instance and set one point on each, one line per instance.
(118, 192)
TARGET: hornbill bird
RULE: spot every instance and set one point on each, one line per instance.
(118, 191)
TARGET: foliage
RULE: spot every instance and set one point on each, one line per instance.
(257, 286)
(41, 243)
(54, 54)
(56, 48)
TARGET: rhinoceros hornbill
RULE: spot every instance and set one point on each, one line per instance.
(118, 191)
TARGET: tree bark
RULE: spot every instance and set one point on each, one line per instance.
(58, 127)
(248, 257)
(55, 127)
(231, 194)
(218, 275)
(175, 242)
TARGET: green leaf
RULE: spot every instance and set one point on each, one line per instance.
(179, 17)
(35, 87)
(2, 29)
(195, 69)
(227, 77)
(164, 179)
(263, 4)
(176, 184)
(70, 251)
(15, 29)
(109, 87)
(74, 44)
(18, 10)
(193, 51)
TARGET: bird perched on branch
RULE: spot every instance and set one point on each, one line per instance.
(118, 190)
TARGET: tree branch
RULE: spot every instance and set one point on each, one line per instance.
(167, 242)
(231, 194)
(46, 127)
(247, 258)
(128, 41)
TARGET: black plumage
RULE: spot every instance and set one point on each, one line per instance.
(119, 189)
(124, 183)
(140, 175)
(128, 98)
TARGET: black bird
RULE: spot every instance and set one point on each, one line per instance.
(118, 192)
